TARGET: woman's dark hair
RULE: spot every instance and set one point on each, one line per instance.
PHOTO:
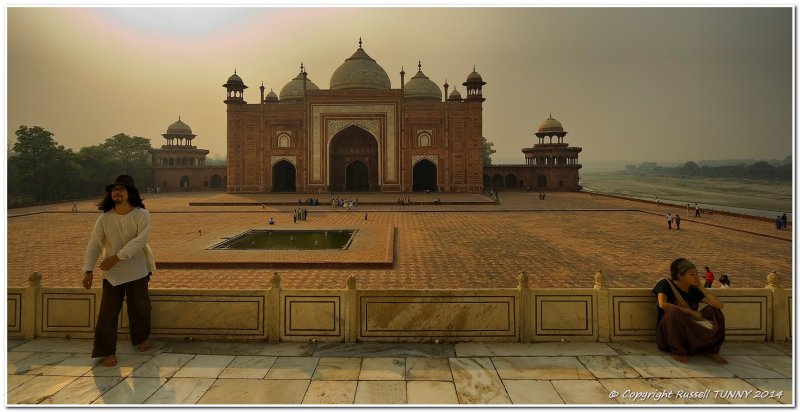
(680, 266)
(134, 198)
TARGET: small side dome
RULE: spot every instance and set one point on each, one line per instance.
(179, 127)
(235, 79)
(271, 97)
(474, 76)
(550, 125)
(360, 72)
(454, 95)
(293, 90)
(422, 88)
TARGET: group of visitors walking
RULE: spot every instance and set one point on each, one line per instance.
(676, 220)
(342, 202)
(299, 214)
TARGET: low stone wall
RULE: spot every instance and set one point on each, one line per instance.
(523, 314)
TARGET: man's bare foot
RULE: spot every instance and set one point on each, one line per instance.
(717, 358)
(145, 346)
(110, 360)
(680, 358)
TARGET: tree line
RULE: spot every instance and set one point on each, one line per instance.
(40, 170)
(760, 170)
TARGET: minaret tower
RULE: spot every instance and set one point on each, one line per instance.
(235, 87)
(474, 85)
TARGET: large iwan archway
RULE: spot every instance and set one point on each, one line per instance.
(284, 176)
(353, 154)
(424, 176)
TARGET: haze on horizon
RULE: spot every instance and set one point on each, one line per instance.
(628, 84)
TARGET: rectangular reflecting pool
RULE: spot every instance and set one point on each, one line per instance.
(265, 239)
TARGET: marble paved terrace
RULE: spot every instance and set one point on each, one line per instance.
(468, 242)
(61, 372)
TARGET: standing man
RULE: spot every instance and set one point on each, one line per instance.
(677, 221)
(696, 210)
(709, 277)
(121, 234)
(669, 220)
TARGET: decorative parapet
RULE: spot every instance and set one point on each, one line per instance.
(521, 314)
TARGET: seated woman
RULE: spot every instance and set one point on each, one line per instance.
(681, 329)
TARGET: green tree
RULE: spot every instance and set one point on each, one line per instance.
(487, 151)
(35, 153)
(131, 156)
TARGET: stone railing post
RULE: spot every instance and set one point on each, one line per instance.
(350, 311)
(30, 306)
(525, 308)
(780, 310)
(603, 308)
(274, 309)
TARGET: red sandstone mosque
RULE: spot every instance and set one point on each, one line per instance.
(362, 135)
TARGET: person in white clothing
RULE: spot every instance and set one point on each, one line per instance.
(121, 235)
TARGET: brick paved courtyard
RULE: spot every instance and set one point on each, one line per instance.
(467, 243)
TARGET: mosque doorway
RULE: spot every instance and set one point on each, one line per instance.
(283, 177)
(216, 181)
(497, 182)
(353, 161)
(357, 177)
(511, 181)
(424, 176)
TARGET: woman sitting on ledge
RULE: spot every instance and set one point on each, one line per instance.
(681, 329)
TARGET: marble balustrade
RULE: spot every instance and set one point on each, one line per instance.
(523, 314)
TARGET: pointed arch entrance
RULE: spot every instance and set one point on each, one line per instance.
(284, 176)
(353, 161)
(424, 176)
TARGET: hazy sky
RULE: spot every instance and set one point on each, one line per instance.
(628, 84)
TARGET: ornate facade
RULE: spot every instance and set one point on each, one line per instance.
(178, 165)
(360, 134)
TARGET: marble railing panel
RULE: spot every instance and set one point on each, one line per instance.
(14, 313)
(633, 314)
(204, 313)
(419, 314)
(565, 313)
(66, 312)
(747, 312)
(312, 313)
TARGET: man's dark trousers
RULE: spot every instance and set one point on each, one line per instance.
(105, 334)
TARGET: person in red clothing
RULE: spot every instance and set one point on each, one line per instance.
(709, 277)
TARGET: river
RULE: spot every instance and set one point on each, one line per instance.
(752, 197)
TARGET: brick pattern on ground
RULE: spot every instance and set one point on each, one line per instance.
(560, 242)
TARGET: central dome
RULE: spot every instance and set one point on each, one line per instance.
(550, 125)
(360, 72)
(179, 127)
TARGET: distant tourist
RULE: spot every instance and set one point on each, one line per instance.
(688, 208)
(724, 281)
(658, 202)
(677, 221)
(783, 218)
(778, 222)
(709, 278)
(669, 220)
(271, 221)
(696, 210)
(681, 329)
